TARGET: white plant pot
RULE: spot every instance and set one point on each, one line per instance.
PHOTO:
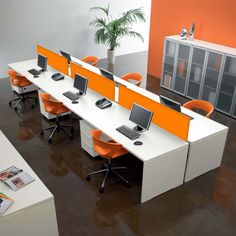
(111, 56)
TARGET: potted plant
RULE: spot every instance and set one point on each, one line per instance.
(111, 31)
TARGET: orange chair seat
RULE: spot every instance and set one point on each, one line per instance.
(91, 60)
(130, 77)
(107, 149)
(17, 79)
(52, 106)
(201, 105)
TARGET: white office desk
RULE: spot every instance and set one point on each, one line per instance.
(34, 204)
(163, 154)
(206, 137)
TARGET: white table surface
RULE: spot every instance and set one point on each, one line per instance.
(27, 196)
(156, 141)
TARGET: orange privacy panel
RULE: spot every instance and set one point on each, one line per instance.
(96, 82)
(55, 60)
(165, 117)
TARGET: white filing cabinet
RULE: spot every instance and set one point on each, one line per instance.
(42, 110)
(86, 138)
(26, 89)
(33, 212)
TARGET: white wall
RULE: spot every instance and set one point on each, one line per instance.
(60, 24)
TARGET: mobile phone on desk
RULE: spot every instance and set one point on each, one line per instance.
(103, 103)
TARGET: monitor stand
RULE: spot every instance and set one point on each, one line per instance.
(139, 129)
(80, 93)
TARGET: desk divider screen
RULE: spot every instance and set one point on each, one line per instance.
(165, 117)
(96, 82)
(55, 60)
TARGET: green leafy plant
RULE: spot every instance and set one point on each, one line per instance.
(110, 30)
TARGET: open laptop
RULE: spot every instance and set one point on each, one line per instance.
(173, 105)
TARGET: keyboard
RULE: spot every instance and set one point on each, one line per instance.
(72, 96)
(34, 72)
(128, 132)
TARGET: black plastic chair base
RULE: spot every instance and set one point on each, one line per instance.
(108, 170)
(57, 127)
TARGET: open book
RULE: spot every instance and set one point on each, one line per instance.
(16, 178)
(5, 203)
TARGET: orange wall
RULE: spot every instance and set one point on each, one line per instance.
(215, 21)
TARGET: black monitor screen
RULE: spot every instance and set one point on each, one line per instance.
(81, 83)
(42, 62)
(66, 55)
(170, 103)
(106, 74)
(141, 116)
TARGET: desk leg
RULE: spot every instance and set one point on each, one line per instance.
(163, 173)
(205, 155)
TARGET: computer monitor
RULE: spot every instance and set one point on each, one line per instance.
(66, 55)
(170, 103)
(42, 62)
(141, 117)
(107, 74)
(81, 84)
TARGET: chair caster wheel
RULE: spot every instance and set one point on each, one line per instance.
(50, 140)
(101, 190)
(15, 108)
(32, 106)
(41, 132)
(127, 185)
(88, 177)
(10, 104)
(71, 137)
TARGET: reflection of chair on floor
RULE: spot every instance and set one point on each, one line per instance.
(20, 82)
(108, 150)
(56, 108)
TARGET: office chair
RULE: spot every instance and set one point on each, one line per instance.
(20, 82)
(201, 105)
(92, 60)
(109, 150)
(134, 78)
(56, 108)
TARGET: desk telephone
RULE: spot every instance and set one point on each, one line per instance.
(103, 103)
(57, 76)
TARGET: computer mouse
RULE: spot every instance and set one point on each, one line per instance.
(75, 102)
(138, 143)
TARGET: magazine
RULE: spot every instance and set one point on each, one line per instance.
(16, 178)
(5, 203)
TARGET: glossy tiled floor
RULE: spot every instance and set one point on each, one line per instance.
(204, 206)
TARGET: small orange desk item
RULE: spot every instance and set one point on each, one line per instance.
(201, 105)
(109, 150)
(92, 60)
(20, 82)
(136, 77)
(56, 108)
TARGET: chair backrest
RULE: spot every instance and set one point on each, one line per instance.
(107, 149)
(50, 105)
(201, 105)
(133, 76)
(92, 60)
(16, 79)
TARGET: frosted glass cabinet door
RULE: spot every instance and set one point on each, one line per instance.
(169, 62)
(212, 77)
(234, 110)
(227, 87)
(182, 68)
(196, 72)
